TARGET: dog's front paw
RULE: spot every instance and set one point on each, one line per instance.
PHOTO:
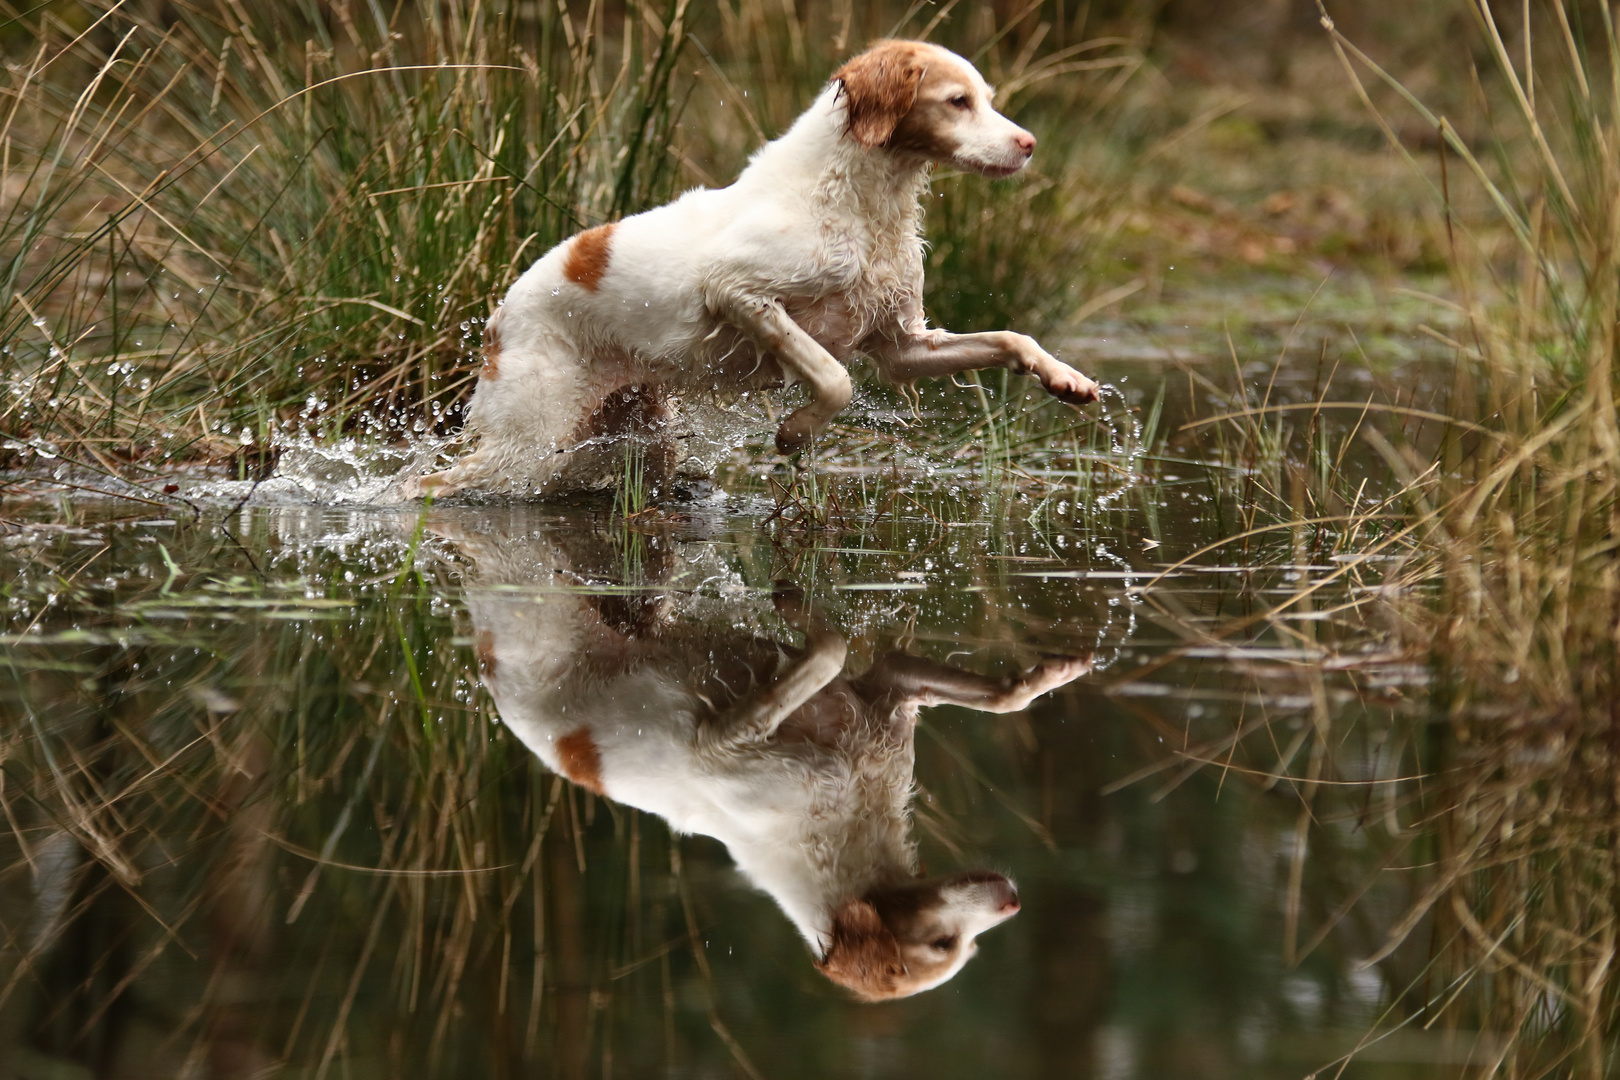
(1068, 385)
(1044, 677)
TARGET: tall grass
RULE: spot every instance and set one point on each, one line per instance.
(250, 212)
(1497, 536)
(1523, 534)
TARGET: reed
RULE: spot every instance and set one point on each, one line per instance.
(254, 216)
(1494, 523)
(1522, 536)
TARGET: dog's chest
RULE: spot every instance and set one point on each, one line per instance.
(836, 322)
(866, 277)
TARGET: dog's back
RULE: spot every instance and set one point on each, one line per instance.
(634, 719)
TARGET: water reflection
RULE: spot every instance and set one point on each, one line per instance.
(260, 813)
(799, 763)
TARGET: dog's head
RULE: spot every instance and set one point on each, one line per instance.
(895, 942)
(917, 99)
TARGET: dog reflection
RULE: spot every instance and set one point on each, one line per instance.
(802, 770)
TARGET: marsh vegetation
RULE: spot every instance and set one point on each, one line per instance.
(1340, 796)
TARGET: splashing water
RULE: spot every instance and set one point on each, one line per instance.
(349, 471)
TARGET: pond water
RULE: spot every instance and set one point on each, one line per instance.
(323, 791)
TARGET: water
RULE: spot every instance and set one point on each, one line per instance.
(272, 802)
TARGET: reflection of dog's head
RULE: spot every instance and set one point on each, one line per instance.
(899, 941)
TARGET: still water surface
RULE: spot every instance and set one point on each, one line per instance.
(282, 793)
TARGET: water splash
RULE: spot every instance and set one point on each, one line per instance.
(350, 471)
(710, 430)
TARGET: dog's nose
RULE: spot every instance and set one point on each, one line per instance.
(1025, 142)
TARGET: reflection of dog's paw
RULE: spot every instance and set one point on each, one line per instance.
(786, 596)
(793, 605)
(1051, 674)
(800, 611)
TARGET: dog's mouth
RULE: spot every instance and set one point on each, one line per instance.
(997, 888)
(995, 170)
(981, 877)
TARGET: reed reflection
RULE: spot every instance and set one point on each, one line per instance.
(786, 753)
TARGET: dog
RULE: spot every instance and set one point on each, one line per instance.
(802, 769)
(813, 256)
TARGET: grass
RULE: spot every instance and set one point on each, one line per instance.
(1495, 524)
(253, 218)
(1521, 533)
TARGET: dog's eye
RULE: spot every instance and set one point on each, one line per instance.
(960, 101)
(943, 944)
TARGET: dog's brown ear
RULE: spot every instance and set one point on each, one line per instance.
(879, 87)
(864, 956)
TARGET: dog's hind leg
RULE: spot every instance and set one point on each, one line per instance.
(437, 484)
(472, 472)
(768, 325)
(631, 428)
(758, 715)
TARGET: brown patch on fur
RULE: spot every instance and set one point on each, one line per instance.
(864, 956)
(485, 651)
(492, 351)
(925, 128)
(635, 615)
(627, 410)
(588, 256)
(639, 413)
(581, 761)
(879, 87)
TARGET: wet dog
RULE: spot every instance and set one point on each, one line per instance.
(813, 256)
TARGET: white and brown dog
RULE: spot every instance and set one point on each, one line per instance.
(804, 772)
(812, 256)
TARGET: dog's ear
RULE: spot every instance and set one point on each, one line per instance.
(879, 87)
(864, 956)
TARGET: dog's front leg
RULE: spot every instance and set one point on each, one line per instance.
(770, 328)
(911, 678)
(758, 715)
(934, 353)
